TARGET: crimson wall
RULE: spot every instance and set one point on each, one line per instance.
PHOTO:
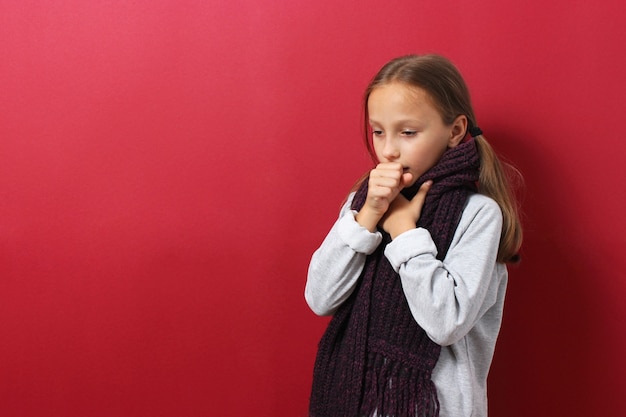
(168, 167)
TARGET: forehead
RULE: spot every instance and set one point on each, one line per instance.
(402, 100)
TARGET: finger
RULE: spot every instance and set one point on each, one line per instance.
(389, 169)
(393, 166)
(382, 173)
(384, 182)
(386, 178)
(407, 177)
(419, 198)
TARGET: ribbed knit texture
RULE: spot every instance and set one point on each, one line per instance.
(374, 359)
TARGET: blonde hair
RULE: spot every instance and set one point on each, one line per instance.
(450, 95)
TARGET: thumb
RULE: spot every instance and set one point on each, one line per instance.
(420, 197)
(407, 177)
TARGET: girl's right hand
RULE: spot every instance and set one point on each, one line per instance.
(385, 183)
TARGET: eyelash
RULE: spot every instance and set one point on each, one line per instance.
(409, 133)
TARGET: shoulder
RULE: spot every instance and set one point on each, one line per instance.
(483, 206)
(481, 215)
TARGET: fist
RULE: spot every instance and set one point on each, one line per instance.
(384, 184)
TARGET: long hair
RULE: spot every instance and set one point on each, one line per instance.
(443, 82)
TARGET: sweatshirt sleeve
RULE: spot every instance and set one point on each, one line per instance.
(337, 264)
(448, 297)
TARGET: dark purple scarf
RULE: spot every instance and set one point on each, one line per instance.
(374, 357)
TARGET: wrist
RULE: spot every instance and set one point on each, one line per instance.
(397, 228)
(367, 219)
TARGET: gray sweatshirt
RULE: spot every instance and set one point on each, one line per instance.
(458, 302)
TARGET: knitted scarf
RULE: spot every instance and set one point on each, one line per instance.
(374, 359)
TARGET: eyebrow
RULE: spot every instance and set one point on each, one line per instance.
(398, 122)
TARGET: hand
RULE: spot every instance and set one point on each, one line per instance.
(385, 183)
(403, 214)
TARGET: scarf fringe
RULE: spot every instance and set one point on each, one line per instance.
(394, 390)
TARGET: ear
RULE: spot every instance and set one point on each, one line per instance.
(458, 130)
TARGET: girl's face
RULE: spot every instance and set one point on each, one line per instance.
(407, 128)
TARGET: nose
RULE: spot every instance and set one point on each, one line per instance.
(390, 150)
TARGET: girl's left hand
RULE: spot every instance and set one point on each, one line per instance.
(403, 214)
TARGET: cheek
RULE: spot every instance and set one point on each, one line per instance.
(377, 147)
(425, 159)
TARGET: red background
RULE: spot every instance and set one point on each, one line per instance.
(167, 168)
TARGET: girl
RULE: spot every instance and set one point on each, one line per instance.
(413, 271)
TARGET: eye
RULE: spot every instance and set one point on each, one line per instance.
(409, 133)
(377, 132)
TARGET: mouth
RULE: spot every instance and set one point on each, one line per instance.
(405, 169)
